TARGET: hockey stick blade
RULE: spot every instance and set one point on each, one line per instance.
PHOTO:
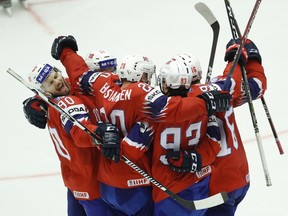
(212, 21)
(206, 13)
(208, 202)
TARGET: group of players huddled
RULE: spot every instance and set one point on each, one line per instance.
(181, 132)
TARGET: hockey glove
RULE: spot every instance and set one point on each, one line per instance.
(35, 112)
(216, 101)
(62, 42)
(110, 137)
(231, 49)
(184, 161)
(252, 50)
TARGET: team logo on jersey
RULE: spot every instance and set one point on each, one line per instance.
(81, 195)
(137, 182)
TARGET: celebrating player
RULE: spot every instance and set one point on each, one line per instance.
(77, 152)
(182, 152)
(230, 171)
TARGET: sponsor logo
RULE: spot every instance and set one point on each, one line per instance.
(76, 109)
(73, 111)
(93, 77)
(153, 95)
(136, 182)
(81, 195)
(108, 63)
(203, 172)
(44, 73)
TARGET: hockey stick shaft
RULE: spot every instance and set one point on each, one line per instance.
(235, 30)
(281, 151)
(211, 19)
(237, 33)
(243, 40)
(211, 201)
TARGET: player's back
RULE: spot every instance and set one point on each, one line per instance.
(123, 108)
(230, 169)
(175, 136)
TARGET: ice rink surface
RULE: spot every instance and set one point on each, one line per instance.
(30, 183)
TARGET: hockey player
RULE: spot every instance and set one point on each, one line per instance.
(96, 60)
(230, 170)
(232, 156)
(7, 5)
(182, 152)
(76, 151)
(24, 3)
(125, 104)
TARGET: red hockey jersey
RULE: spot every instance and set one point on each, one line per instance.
(230, 170)
(196, 134)
(124, 107)
(77, 153)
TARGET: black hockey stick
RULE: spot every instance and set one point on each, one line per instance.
(208, 202)
(237, 33)
(235, 30)
(243, 40)
(211, 19)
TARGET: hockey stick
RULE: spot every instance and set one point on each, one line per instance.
(211, 19)
(235, 29)
(243, 40)
(211, 201)
(237, 33)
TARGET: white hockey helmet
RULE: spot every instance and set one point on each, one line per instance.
(100, 59)
(133, 67)
(180, 71)
(39, 74)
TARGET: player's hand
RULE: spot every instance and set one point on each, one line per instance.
(62, 42)
(110, 140)
(231, 49)
(35, 112)
(216, 101)
(252, 51)
(184, 161)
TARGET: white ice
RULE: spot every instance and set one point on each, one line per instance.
(30, 183)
